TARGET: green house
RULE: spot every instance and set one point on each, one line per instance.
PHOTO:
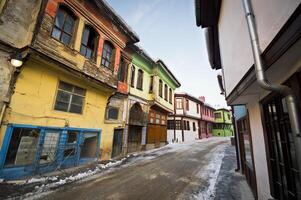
(223, 126)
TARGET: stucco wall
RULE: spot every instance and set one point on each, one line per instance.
(193, 109)
(34, 97)
(19, 18)
(270, 15)
(259, 150)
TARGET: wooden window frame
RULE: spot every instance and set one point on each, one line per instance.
(122, 70)
(170, 95)
(104, 56)
(160, 88)
(72, 94)
(165, 92)
(96, 39)
(187, 104)
(139, 84)
(133, 72)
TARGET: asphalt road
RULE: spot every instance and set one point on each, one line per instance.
(171, 173)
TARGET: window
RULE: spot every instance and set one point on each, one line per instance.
(122, 71)
(170, 124)
(193, 126)
(69, 98)
(63, 25)
(140, 80)
(89, 146)
(160, 88)
(163, 119)
(107, 55)
(71, 143)
(22, 147)
(165, 92)
(132, 76)
(158, 117)
(197, 108)
(217, 115)
(184, 125)
(151, 84)
(187, 104)
(229, 117)
(112, 113)
(188, 125)
(170, 96)
(152, 117)
(178, 125)
(179, 103)
(49, 148)
(89, 42)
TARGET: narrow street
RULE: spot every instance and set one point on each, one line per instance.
(177, 171)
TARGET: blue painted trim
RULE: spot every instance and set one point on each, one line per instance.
(14, 172)
(5, 145)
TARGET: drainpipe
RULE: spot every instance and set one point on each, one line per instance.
(290, 98)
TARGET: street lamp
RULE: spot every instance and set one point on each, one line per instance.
(16, 60)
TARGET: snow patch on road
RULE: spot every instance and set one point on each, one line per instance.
(210, 173)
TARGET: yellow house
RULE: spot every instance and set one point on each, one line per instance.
(66, 106)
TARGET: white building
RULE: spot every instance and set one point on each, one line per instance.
(184, 124)
(267, 147)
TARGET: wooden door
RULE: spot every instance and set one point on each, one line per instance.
(117, 142)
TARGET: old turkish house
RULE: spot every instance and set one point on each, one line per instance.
(64, 90)
(163, 84)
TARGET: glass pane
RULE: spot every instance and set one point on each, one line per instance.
(68, 28)
(65, 38)
(22, 147)
(79, 91)
(65, 86)
(69, 20)
(83, 50)
(85, 36)
(59, 19)
(61, 106)
(63, 96)
(75, 108)
(71, 137)
(89, 53)
(49, 147)
(112, 113)
(78, 100)
(56, 33)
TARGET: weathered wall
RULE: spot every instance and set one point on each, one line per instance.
(70, 56)
(17, 22)
(34, 97)
(6, 71)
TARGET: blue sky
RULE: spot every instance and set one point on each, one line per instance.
(167, 30)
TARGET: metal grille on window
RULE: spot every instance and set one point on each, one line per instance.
(49, 148)
(69, 98)
(282, 157)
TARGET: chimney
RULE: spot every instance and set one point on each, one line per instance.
(202, 99)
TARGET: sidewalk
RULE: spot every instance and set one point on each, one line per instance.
(231, 185)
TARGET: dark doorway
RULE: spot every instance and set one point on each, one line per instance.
(134, 138)
(244, 134)
(117, 142)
